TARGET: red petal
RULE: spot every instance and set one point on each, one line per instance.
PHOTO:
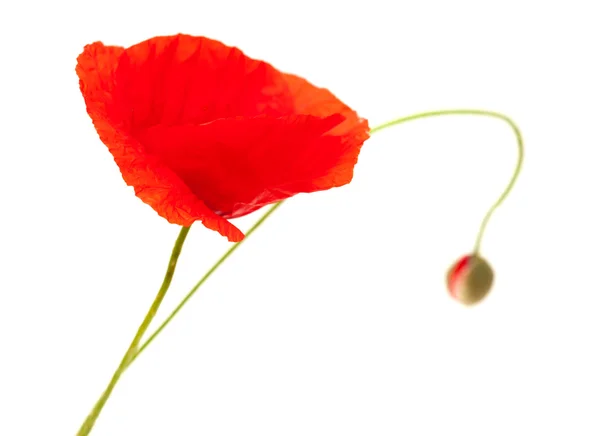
(175, 80)
(154, 183)
(238, 165)
(320, 102)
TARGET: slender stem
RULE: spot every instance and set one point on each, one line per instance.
(201, 282)
(135, 349)
(374, 130)
(89, 422)
(484, 113)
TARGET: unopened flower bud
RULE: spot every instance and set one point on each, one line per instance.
(470, 279)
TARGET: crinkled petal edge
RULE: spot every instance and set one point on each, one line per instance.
(154, 183)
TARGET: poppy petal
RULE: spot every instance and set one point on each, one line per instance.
(153, 182)
(238, 165)
(181, 79)
(312, 100)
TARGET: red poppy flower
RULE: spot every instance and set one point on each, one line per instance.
(204, 133)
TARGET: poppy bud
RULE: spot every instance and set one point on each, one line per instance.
(470, 279)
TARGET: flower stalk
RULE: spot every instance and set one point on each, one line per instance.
(89, 422)
(135, 349)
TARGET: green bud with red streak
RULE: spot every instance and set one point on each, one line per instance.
(470, 279)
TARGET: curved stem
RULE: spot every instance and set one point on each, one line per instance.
(374, 130)
(89, 422)
(201, 282)
(490, 114)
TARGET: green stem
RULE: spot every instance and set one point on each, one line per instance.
(89, 422)
(202, 280)
(374, 130)
(490, 114)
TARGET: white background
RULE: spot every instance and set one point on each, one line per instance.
(332, 319)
